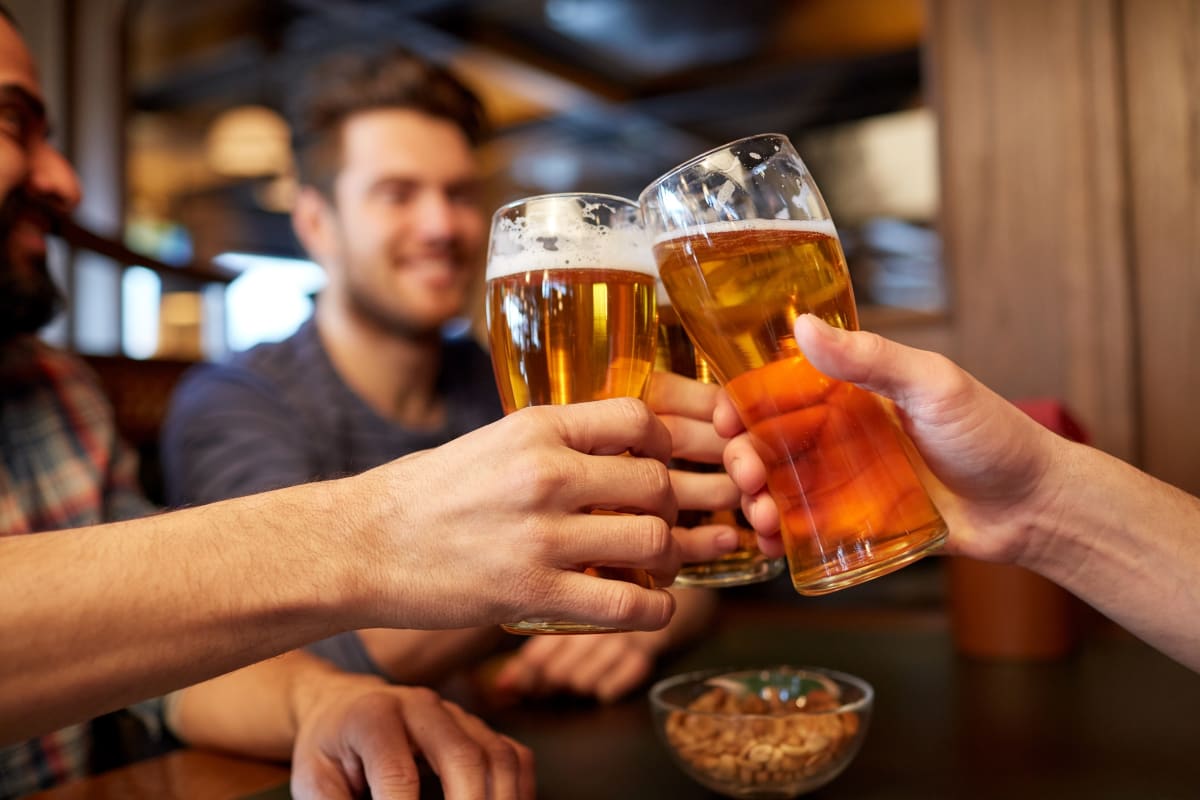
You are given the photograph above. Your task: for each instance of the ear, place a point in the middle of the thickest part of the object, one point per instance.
(312, 220)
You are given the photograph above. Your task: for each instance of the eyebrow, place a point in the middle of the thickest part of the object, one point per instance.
(12, 94)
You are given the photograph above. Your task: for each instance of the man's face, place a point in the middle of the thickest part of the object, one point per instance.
(408, 227)
(34, 178)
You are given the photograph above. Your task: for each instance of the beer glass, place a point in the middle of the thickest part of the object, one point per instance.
(571, 316)
(744, 246)
(746, 564)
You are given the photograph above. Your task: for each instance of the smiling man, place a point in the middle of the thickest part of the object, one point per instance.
(385, 145)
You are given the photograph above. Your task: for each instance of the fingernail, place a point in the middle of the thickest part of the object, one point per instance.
(727, 541)
(820, 327)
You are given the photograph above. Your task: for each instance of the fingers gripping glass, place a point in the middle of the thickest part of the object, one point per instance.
(571, 316)
(746, 564)
(745, 245)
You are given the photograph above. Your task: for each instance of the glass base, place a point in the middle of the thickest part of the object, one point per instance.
(823, 583)
(553, 627)
(737, 571)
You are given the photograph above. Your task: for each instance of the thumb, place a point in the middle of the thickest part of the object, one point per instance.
(914, 379)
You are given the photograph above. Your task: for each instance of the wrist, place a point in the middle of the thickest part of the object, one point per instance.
(317, 683)
(1045, 541)
(355, 511)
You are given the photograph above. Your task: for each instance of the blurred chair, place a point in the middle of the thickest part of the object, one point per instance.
(1009, 613)
(140, 392)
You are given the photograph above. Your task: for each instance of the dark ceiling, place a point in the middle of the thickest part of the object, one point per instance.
(615, 91)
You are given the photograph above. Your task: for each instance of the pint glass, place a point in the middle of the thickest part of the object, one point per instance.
(746, 564)
(744, 245)
(570, 315)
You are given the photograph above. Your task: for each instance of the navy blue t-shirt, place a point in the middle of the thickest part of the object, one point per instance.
(279, 415)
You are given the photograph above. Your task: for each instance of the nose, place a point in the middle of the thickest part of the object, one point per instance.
(436, 218)
(51, 178)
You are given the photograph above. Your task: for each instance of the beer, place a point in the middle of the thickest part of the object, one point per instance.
(746, 564)
(569, 335)
(571, 318)
(851, 504)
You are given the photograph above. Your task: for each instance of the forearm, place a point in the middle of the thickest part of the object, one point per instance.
(1126, 543)
(101, 617)
(255, 711)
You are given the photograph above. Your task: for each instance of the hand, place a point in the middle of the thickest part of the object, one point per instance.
(989, 457)
(496, 525)
(686, 407)
(604, 665)
(361, 734)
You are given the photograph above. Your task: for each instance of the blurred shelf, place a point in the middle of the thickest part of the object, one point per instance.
(876, 317)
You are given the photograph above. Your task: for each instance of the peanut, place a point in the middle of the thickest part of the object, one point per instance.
(778, 747)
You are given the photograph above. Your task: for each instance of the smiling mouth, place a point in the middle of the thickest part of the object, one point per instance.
(29, 222)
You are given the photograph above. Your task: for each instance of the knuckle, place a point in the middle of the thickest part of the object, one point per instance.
(623, 605)
(869, 344)
(502, 754)
(655, 478)
(538, 479)
(401, 780)
(524, 753)
(467, 755)
(635, 411)
(944, 387)
(657, 535)
(524, 426)
(421, 696)
(636, 417)
(954, 381)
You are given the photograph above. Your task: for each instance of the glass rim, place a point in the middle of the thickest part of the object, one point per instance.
(657, 691)
(562, 196)
(698, 158)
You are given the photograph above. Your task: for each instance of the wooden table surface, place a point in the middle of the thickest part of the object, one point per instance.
(179, 775)
(1115, 720)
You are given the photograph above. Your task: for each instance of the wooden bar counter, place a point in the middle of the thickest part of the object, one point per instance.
(1116, 719)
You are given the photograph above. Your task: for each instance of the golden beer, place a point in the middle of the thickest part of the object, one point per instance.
(567, 335)
(571, 317)
(851, 504)
(746, 564)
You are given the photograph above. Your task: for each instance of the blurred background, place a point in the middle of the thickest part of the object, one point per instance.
(1014, 181)
(598, 95)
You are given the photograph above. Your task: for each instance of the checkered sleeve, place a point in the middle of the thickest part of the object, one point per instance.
(123, 497)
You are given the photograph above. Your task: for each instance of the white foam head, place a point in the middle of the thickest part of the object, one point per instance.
(563, 237)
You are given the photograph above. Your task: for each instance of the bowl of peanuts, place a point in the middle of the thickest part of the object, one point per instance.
(776, 732)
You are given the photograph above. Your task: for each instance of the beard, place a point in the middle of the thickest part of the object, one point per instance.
(367, 307)
(29, 298)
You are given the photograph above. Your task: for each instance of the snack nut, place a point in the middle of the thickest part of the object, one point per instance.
(789, 741)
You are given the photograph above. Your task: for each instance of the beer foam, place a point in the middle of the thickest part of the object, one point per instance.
(824, 226)
(571, 244)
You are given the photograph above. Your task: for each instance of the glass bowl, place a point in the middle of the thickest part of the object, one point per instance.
(776, 732)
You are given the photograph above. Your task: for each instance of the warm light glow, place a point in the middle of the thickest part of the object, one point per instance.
(249, 141)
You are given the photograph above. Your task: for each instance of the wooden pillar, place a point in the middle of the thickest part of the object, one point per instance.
(1162, 55)
(1035, 202)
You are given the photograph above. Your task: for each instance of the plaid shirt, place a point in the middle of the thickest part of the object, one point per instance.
(61, 466)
